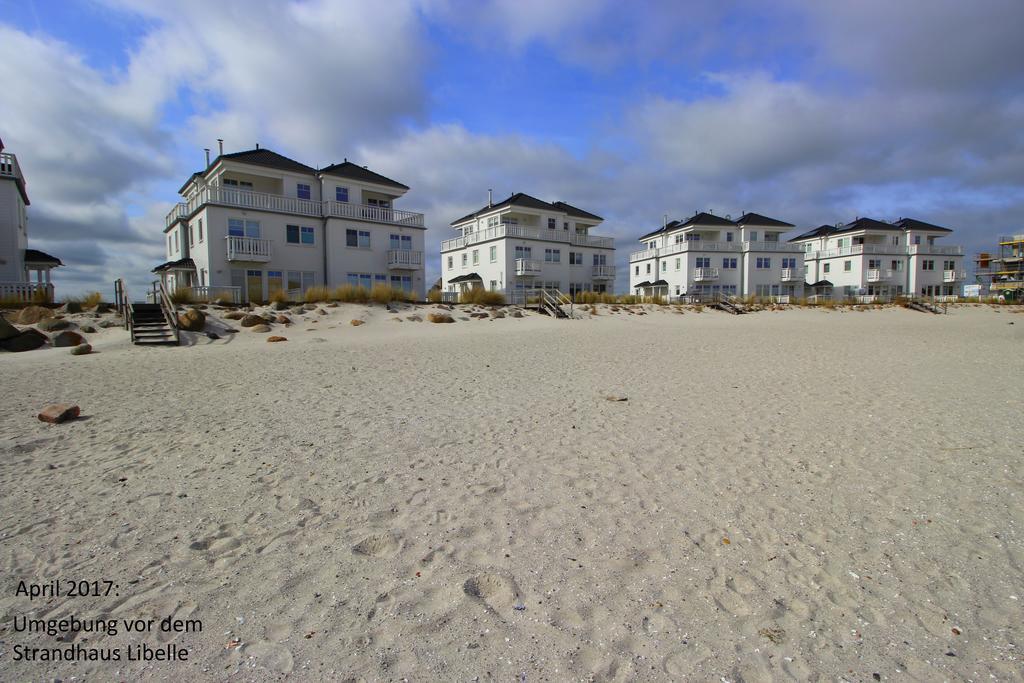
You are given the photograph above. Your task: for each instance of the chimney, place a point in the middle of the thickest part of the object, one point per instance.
(257, 145)
(220, 143)
(490, 199)
(664, 221)
(207, 150)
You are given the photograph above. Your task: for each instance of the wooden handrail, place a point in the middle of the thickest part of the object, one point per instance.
(167, 307)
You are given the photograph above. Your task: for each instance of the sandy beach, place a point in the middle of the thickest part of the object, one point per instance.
(791, 495)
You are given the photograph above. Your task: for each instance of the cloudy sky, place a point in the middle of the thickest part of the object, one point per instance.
(807, 110)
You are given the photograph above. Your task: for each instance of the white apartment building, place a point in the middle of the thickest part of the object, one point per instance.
(873, 260)
(708, 255)
(24, 272)
(255, 222)
(525, 243)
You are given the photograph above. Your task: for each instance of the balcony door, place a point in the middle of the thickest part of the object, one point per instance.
(254, 285)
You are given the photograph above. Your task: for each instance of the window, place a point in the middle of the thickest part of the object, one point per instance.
(170, 246)
(827, 267)
(874, 263)
(364, 280)
(465, 260)
(575, 258)
(292, 234)
(552, 224)
(191, 235)
(664, 266)
(764, 262)
(476, 257)
(771, 237)
(648, 268)
(402, 282)
(341, 194)
(494, 285)
(843, 242)
(692, 237)
(565, 225)
(897, 265)
(494, 254)
(728, 237)
(229, 182)
(401, 242)
(702, 262)
(492, 221)
(753, 236)
(200, 229)
(357, 238)
(380, 279)
(917, 239)
(241, 228)
(728, 262)
(949, 265)
(928, 265)
(895, 240)
(679, 263)
(275, 281)
(553, 255)
(600, 259)
(524, 252)
(176, 246)
(302, 191)
(451, 262)
(847, 266)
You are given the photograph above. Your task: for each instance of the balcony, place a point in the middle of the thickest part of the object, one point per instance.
(879, 275)
(248, 249)
(934, 249)
(9, 166)
(375, 214)
(954, 275)
(792, 275)
(603, 273)
(705, 274)
(772, 246)
(526, 267)
(684, 246)
(530, 233)
(405, 259)
(264, 201)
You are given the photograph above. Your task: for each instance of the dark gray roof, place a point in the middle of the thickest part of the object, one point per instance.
(36, 256)
(757, 219)
(347, 169)
(645, 283)
(268, 158)
(571, 210)
(466, 278)
(822, 283)
(853, 226)
(819, 231)
(701, 218)
(180, 264)
(913, 224)
(659, 283)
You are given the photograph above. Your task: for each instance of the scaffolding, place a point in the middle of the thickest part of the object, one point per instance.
(1003, 271)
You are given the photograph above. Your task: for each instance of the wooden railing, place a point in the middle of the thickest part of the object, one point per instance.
(26, 291)
(123, 304)
(167, 307)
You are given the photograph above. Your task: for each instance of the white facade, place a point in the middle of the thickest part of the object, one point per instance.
(709, 255)
(255, 222)
(23, 271)
(880, 261)
(524, 243)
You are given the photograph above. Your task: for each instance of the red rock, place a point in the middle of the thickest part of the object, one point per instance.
(59, 412)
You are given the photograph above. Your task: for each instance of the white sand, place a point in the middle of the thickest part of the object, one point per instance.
(785, 495)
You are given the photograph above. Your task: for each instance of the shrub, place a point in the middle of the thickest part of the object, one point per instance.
(382, 294)
(351, 294)
(440, 318)
(278, 296)
(482, 297)
(92, 299)
(317, 294)
(657, 299)
(627, 299)
(434, 296)
(12, 301)
(181, 295)
(41, 296)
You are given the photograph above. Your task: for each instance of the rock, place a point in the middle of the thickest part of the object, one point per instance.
(497, 314)
(192, 320)
(30, 315)
(414, 318)
(321, 311)
(81, 350)
(356, 323)
(517, 314)
(212, 335)
(88, 329)
(440, 318)
(25, 341)
(275, 338)
(616, 398)
(298, 310)
(71, 307)
(59, 412)
(107, 324)
(279, 305)
(309, 307)
(103, 308)
(7, 330)
(333, 304)
(67, 338)
(234, 315)
(260, 328)
(478, 315)
(53, 324)
(396, 319)
(283, 320)
(252, 319)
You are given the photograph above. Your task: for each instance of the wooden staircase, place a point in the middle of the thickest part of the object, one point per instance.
(724, 303)
(924, 307)
(150, 324)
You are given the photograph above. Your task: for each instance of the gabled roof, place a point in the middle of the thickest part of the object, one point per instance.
(659, 283)
(645, 283)
(703, 219)
(471, 277)
(821, 283)
(36, 256)
(853, 226)
(819, 231)
(347, 169)
(526, 201)
(180, 264)
(757, 219)
(268, 158)
(913, 224)
(571, 210)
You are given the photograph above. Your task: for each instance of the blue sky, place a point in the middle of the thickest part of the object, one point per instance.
(809, 111)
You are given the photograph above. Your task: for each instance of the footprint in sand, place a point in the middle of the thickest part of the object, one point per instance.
(495, 591)
(377, 545)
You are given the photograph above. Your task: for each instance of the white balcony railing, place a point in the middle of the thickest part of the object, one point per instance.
(942, 250)
(685, 246)
(265, 201)
(527, 232)
(953, 275)
(771, 246)
(247, 249)
(405, 258)
(792, 275)
(705, 274)
(879, 275)
(603, 273)
(26, 291)
(9, 166)
(643, 255)
(527, 266)
(210, 293)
